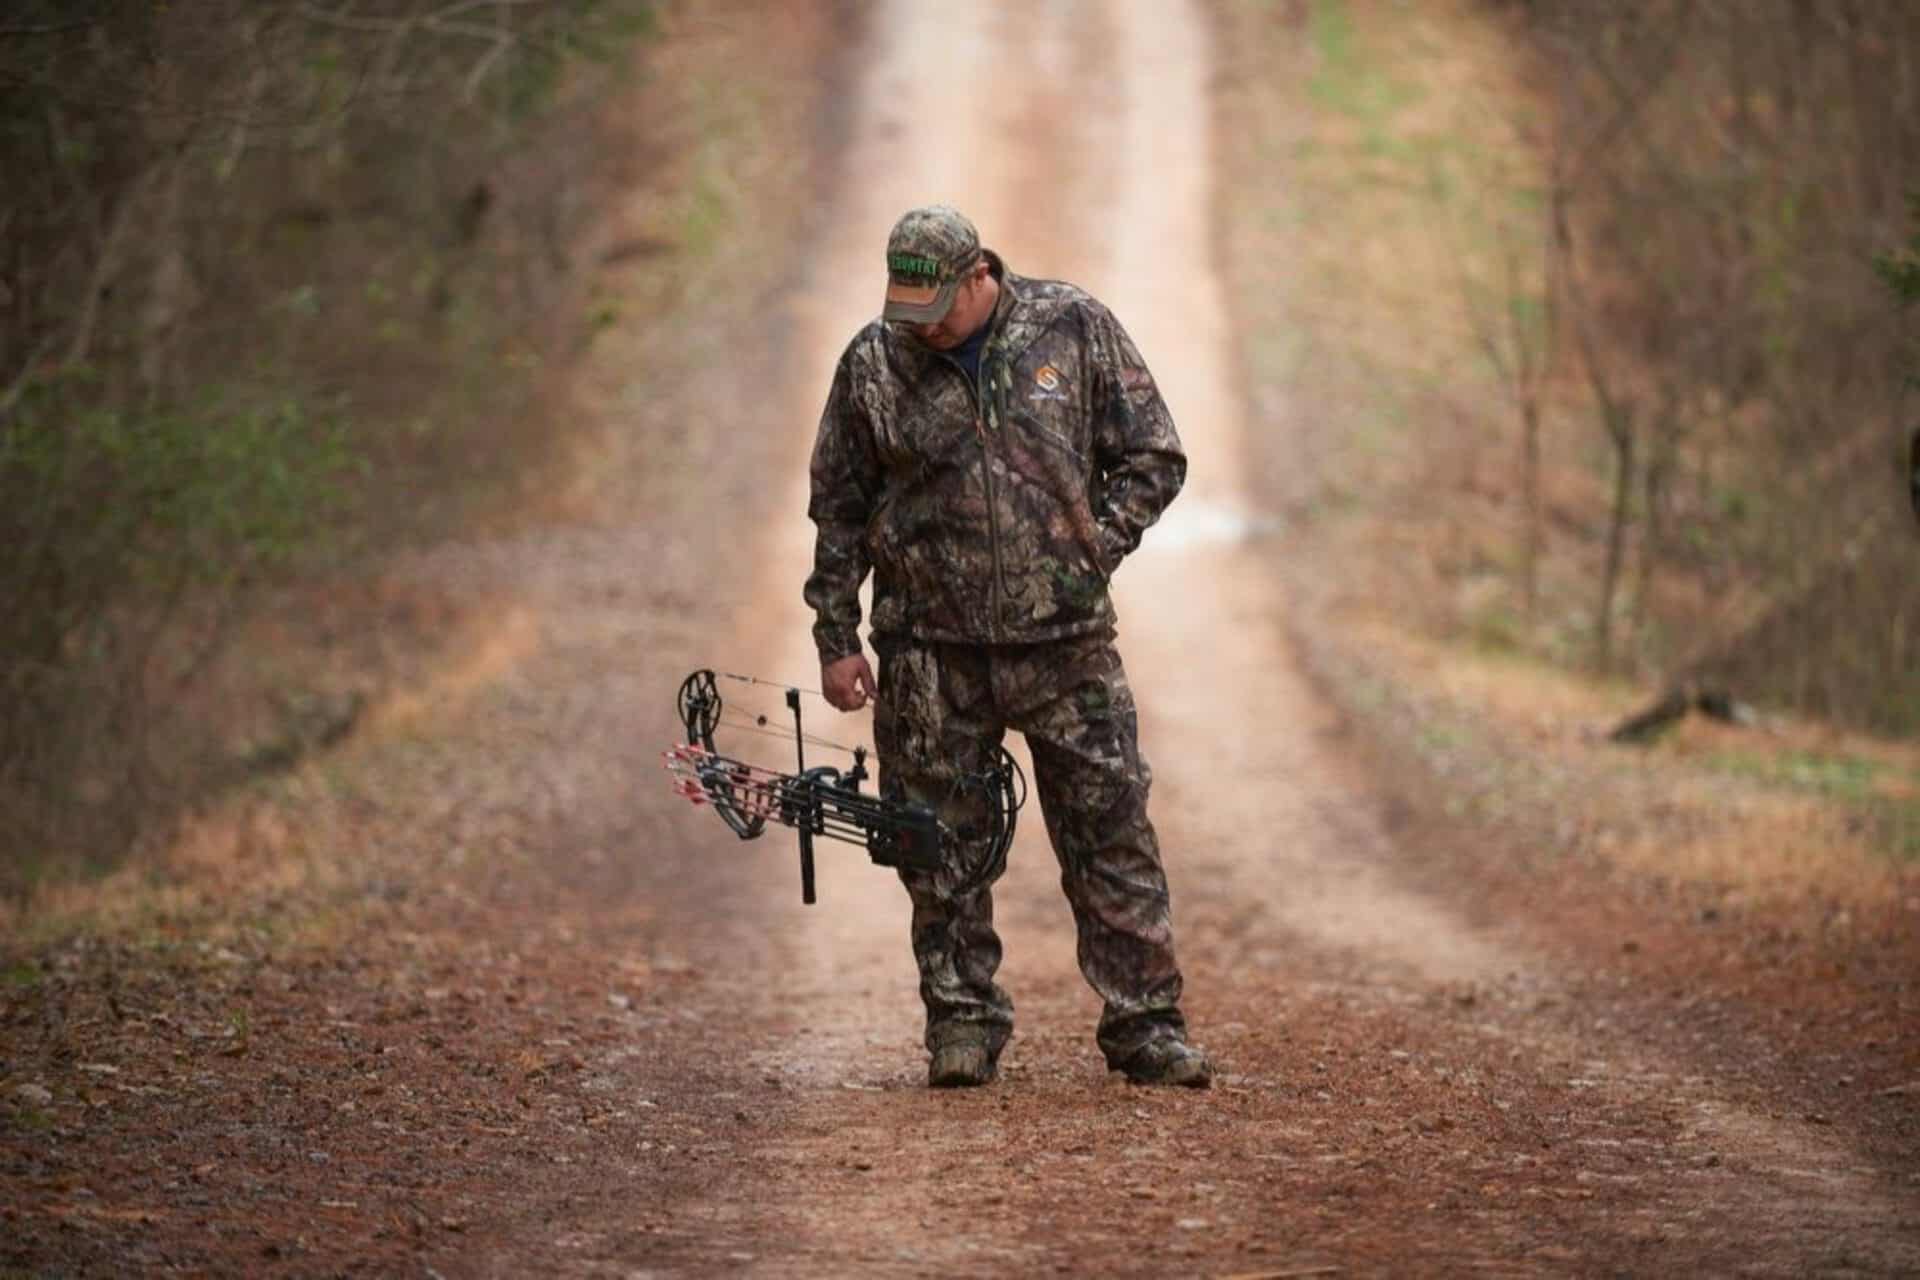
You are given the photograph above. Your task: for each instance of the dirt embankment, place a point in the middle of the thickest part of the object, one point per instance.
(491, 1001)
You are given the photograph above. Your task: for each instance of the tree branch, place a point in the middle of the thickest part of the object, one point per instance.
(49, 29)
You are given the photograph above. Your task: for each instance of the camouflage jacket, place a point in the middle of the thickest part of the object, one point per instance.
(992, 511)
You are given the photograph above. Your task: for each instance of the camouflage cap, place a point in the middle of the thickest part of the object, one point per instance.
(927, 256)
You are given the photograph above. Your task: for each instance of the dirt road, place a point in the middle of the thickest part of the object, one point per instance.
(1390, 1100)
(590, 1034)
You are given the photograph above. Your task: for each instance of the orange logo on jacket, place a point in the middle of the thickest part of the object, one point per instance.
(1049, 384)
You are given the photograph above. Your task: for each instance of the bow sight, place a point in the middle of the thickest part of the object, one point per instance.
(824, 801)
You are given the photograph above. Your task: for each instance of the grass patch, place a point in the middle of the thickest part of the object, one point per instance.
(1883, 797)
(1402, 188)
(1349, 80)
(29, 1119)
(1843, 777)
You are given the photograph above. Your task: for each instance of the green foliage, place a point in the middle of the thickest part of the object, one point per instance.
(1901, 269)
(591, 30)
(1497, 629)
(1901, 272)
(31, 1119)
(207, 493)
(1351, 80)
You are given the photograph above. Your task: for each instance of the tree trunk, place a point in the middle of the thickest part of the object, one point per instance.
(1620, 431)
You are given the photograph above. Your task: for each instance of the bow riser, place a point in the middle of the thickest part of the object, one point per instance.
(819, 802)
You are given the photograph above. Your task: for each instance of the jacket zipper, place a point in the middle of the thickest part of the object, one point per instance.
(986, 472)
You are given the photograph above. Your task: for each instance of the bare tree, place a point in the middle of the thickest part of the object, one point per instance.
(1724, 175)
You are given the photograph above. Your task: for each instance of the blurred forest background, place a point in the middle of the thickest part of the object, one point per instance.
(1727, 189)
(277, 286)
(1610, 303)
(281, 287)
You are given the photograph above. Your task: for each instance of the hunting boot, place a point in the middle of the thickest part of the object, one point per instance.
(960, 1065)
(1169, 1061)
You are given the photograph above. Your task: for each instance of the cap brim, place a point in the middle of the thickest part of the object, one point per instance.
(919, 304)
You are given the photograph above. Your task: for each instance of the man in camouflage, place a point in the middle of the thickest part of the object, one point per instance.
(992, 448)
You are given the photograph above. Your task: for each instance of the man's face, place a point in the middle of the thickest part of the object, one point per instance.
(971, 304)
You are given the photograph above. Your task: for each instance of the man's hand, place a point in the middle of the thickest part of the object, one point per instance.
(848, 682)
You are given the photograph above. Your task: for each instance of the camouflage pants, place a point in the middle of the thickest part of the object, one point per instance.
(942, 709)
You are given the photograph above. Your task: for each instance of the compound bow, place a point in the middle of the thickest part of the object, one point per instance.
(824, 801)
